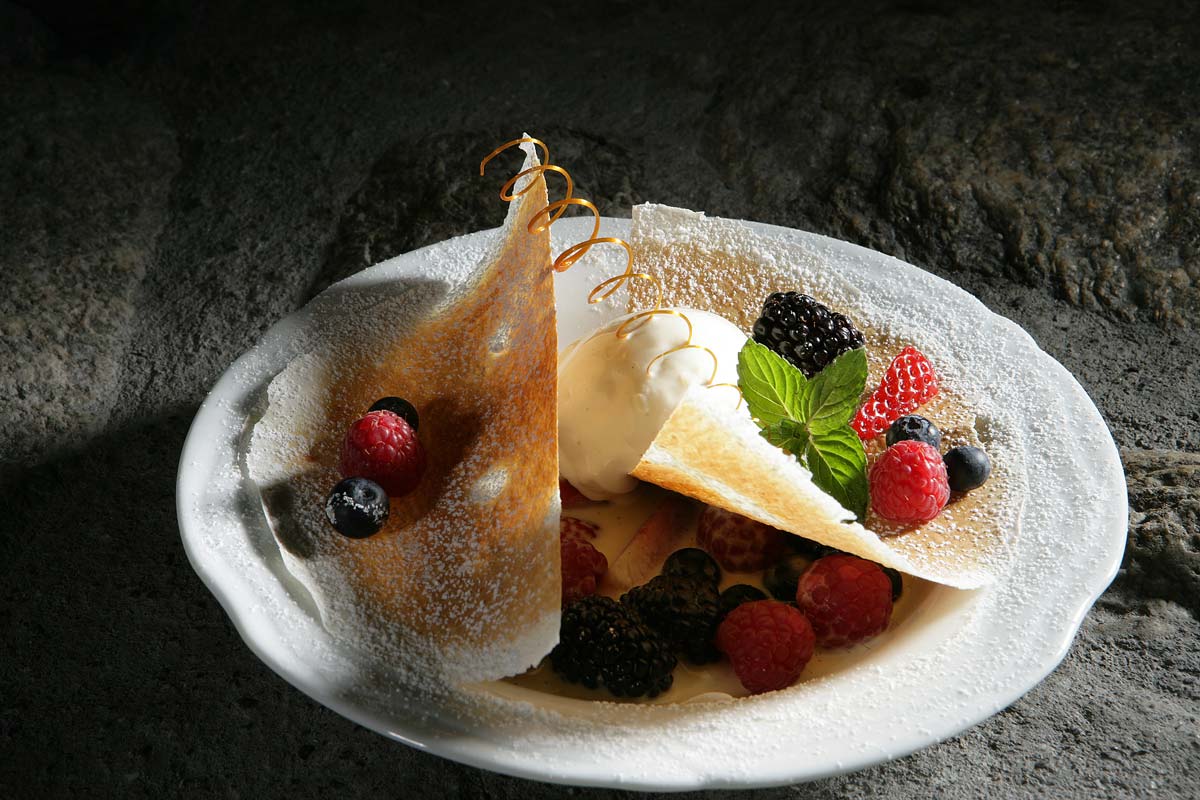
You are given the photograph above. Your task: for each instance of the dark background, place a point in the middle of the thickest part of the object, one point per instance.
(175, 177)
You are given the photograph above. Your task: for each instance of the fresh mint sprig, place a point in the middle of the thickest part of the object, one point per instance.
(810, 418)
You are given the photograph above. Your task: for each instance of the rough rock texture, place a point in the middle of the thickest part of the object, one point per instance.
(86, 167)
(1024, 150)
(1163, 560)
(174, 177)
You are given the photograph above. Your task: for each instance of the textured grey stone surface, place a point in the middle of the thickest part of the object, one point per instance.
(176, 177)
(86, 168)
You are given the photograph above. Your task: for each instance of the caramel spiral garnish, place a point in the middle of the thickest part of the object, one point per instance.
(553, 211)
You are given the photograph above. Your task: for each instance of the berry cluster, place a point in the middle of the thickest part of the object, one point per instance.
(911, 482)
(846, 599)
(768, 643)
(683, 609)
(381, 458)
(815, 596)
(819, 597)
(631, 647)
(836, 601)
(908, 483)
(682, 604)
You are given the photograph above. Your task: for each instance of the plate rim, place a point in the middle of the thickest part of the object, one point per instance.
(476, 751)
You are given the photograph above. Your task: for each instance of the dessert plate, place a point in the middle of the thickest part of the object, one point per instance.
(957, 659)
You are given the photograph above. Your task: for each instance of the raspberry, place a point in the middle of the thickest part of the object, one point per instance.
(577, 528)
(910, 381)
(739, 544)
(768, 643)
(382, 447)
(804, 331)
(846, 598)
(909, 483)
(603, 643)
(582, 564)
(570, 496)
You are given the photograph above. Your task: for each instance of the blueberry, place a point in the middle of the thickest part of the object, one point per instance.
(897, 582)
(357, 508)
(916, 428)
(808, 548)
(400, 407)
(692, 562)
(740, 593)
(967, 468)
(782, 578)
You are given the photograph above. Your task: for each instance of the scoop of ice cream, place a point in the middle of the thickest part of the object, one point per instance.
(612, 400)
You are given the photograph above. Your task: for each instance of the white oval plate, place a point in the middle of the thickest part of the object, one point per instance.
(960, 657)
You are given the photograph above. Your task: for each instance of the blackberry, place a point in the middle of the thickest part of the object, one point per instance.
(804, 331)
(967, 468)
(692, 562)
(357, 508)
(685, 612)
(400, 407)
(740, 593)
(603, 643)
(917, 428)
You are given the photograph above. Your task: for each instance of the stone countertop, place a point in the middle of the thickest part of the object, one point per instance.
(175, 177)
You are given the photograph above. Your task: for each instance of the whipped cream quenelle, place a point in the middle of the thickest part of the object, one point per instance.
(610, 406)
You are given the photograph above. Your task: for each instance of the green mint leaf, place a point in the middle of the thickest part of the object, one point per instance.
(772, 388)
(787, 434)
(810, 418)
(838, 464)
(834, 392)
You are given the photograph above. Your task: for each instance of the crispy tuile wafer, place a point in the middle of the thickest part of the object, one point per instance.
(462, 584)
(719, 458)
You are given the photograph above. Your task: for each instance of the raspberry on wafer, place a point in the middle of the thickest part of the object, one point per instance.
(909, 382)
(909, 483)
(382, 447)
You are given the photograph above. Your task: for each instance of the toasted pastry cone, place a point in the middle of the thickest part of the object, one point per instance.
(462, 584)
